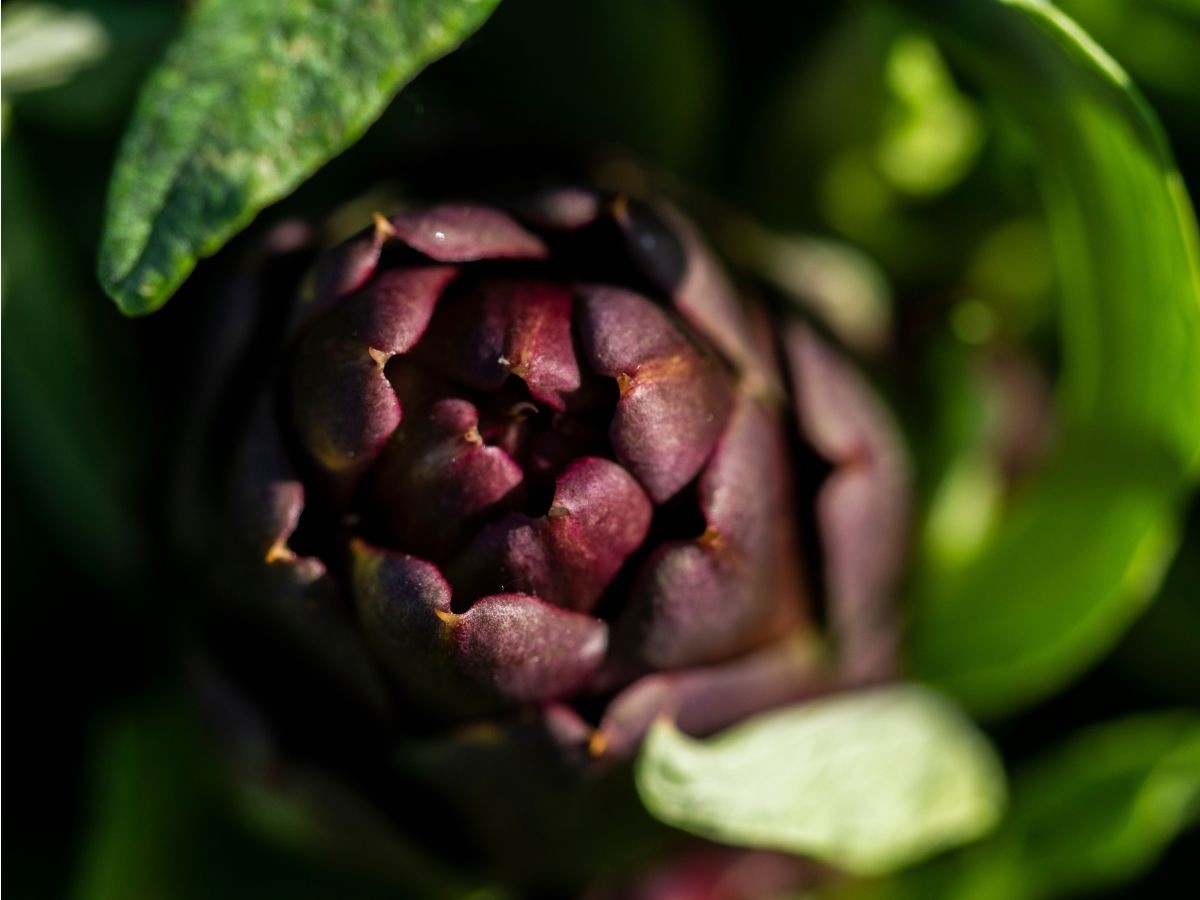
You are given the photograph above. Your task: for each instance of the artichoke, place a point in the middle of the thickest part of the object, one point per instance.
(536, 466)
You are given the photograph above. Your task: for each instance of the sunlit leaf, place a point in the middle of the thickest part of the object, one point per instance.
(251, 99)
(868, 781)
(1077, 558)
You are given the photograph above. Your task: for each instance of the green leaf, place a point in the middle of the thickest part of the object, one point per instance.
(1103, 807)
(868, 781)
(1083, 549)
(252, 98)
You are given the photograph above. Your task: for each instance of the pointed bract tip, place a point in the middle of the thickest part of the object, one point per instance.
(383, 228)
(620, 208)
(451, 619)
(597, 744)
(279, 552)
(712, 539)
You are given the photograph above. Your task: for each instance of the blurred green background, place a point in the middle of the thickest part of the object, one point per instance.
(832, 149)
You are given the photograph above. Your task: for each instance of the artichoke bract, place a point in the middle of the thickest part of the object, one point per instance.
(537, 462)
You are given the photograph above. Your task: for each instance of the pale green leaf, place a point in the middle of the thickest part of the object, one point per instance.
(43, 45)
(868, 781)
(252, 98)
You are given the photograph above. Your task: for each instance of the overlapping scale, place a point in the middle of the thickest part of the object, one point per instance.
(674, 400)
(736, 585)
(863, 506)
(507, 327)
(511, 648)
(597, 518)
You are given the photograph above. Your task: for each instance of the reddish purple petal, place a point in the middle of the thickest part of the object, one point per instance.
(437, 478)
(738, 584)
(704, 700)
(863, 506)
(525, 650)
(391, 312)
(465, 232)
(505, 327)
(674, 401)
(597, 518)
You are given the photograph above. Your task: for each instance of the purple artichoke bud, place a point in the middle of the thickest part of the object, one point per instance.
(538, 465)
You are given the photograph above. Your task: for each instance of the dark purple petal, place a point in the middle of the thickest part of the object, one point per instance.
(560, 209)
(306, 605)
(597, 518)
(465, 232)
(674, 401)
(404, 608)
(500, 328)
(703, 700)
(294, 594)
(738, 584)
(510, 647)
(525, 650)
(863, 507)
(437, 478)
(341, 403)
(667, 248)
(267, 497)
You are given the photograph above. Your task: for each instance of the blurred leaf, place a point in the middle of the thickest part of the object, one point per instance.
(835, 282)
(252, 98)
(932, 132)
(868, 781)
(645, 76)
(1083, 549)
(43, 45)
(162, 827)
(62, 394)
(1103, 807)
(1094, 812)
(1155, 39)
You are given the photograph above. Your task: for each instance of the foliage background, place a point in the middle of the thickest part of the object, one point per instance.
(834, 125)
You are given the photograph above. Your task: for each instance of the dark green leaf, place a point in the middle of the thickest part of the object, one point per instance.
(69, 442)
(163, 825)
(1082, 551)
(868, 781)
(252, 98)
(1102, 808)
